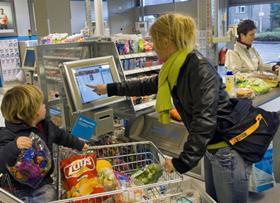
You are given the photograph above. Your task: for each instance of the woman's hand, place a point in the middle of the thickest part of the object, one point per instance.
(98, 89)
(24, 142)
(276, 68)
(168, 166)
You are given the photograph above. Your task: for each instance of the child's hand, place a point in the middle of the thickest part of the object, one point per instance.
(23, 142)
(85, 148)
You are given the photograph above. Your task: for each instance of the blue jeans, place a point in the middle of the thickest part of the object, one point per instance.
(226, 176)
(46, 193)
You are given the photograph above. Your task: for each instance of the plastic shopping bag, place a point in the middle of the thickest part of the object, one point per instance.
(262, 177)
(32, 164)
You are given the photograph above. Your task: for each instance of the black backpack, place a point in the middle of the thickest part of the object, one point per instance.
(249, 130)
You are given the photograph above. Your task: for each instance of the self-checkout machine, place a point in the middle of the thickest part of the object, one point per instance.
(141, 121)
(169, 138)
(92, 111)
(29, 66)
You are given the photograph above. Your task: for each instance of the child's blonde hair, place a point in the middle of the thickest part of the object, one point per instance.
(21, 103)
(180, 29)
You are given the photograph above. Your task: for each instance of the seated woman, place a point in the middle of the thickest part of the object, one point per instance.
(244, 57)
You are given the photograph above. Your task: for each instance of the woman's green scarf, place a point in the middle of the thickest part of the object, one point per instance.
(167, 79)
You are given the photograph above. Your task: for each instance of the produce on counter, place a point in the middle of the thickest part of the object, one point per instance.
(244, 93)
(150, 174)
(256, 84)
(270, 78)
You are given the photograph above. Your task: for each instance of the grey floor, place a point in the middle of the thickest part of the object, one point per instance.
(269, 196)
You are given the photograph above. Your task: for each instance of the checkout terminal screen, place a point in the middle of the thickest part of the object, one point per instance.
(29, 60)
(99, 74)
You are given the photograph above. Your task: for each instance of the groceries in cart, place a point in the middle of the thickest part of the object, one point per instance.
(80, 176)
(106, 175)
(84, 175)
(32, 164)
(150, 174)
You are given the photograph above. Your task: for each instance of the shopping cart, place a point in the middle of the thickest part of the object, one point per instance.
(128, 158)
(5, 196)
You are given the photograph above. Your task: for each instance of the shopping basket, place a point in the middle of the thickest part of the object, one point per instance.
(128, 158)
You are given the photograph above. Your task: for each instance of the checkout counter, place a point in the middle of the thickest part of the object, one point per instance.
(171, 138)
(271, 102)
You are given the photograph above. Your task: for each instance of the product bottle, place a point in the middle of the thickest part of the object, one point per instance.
(230, 83)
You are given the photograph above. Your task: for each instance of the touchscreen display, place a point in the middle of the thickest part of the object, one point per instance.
(29, 58)
(99, 74)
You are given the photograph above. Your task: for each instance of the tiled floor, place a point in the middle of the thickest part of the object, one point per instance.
(269, 196)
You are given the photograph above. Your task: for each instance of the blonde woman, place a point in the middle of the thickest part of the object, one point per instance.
(197, 91)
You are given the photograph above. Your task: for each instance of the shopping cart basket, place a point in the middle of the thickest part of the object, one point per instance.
(128, 158)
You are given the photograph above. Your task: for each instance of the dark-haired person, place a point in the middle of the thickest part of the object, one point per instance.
(244, 57)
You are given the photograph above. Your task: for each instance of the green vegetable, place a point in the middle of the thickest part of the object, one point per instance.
(257, 85)
(150, 174)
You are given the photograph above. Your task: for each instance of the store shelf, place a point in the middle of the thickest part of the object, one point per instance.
(142, 70)
(28, 68)
(138, 55)
(51, 68)
(54, 79)
(54, 102)
(138, 107)
(62, 58)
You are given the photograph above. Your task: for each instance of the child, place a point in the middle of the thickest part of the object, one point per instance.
(24, 112)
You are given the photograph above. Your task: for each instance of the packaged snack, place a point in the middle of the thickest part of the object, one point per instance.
(126, 47)
(32, 164)
(120, 46)
(140, 45)
(80, 176)
(148, 46)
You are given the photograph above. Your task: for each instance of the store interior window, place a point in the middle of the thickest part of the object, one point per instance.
(155, 2)
(150, 19)
(241, 9)
(181, 0)
(78, 15)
